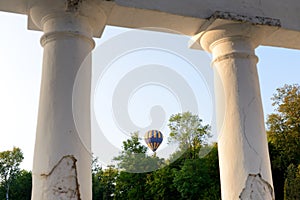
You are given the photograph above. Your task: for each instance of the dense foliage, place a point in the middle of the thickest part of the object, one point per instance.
(284, 141)
(190, 176)
(14, 182)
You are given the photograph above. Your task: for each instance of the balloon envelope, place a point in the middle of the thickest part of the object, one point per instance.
(153, 139)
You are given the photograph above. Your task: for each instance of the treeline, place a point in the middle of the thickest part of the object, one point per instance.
(188, 177)
(187, 174)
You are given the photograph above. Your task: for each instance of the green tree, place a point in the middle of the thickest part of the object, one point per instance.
(136, 167)
(9, 167)
(284, 134)
(188, 176)
(185, 176)
(97, 188)
(199, 178)
(188, 131)
(131, 186)
(21, 186)
(133, 157)
(292, 183)
(104, 183)
(160, 184)
(109, 178)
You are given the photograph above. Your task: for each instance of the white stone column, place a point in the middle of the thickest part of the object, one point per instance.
(243, 151)
(62, 158)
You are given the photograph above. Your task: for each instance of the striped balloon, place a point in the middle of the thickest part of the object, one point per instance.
(153, 139)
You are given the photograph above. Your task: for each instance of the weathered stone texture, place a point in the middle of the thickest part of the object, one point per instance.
(257, 188)
(62, 180)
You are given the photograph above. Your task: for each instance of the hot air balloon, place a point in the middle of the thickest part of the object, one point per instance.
(153, 139)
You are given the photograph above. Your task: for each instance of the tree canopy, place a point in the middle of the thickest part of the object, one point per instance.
(284, 137)
(141, 176)
(9, 167)
(188, 131)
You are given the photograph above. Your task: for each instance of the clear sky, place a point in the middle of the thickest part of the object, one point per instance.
(20, 76)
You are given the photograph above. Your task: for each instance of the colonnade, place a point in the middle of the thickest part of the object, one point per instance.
(62, 163)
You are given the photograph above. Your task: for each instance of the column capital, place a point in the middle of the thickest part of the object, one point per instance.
(231, 32)
(87, 13)
(225, 39)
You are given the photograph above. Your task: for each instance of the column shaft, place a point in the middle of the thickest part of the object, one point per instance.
(243, 152)
(62, 158)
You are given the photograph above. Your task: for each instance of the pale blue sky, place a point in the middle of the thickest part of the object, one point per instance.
(20, 76)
